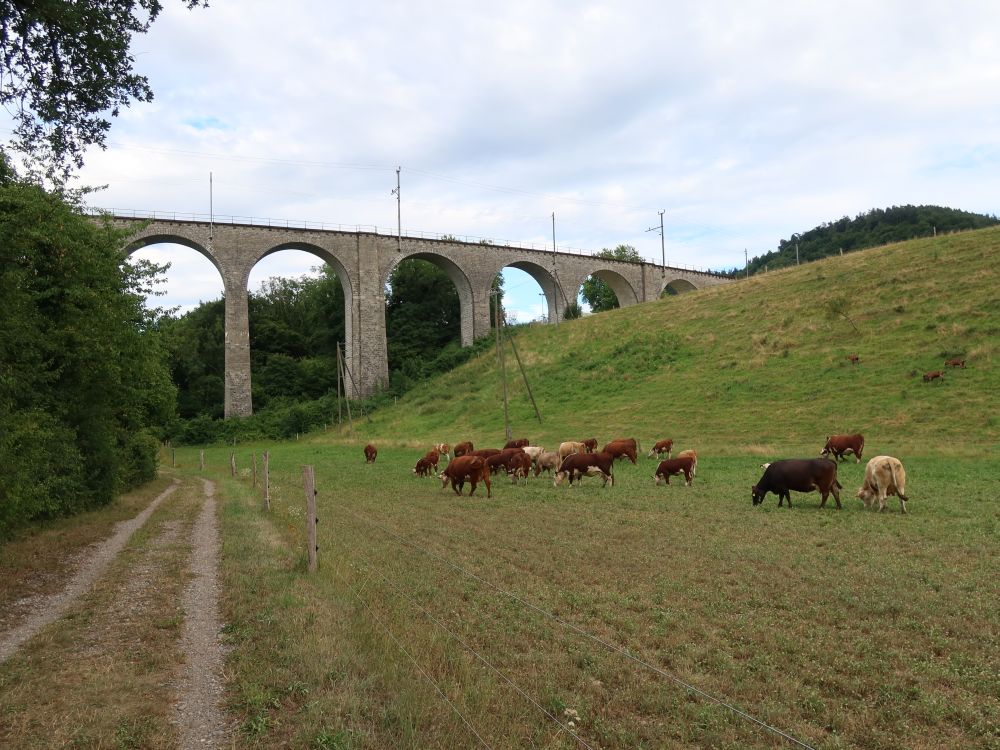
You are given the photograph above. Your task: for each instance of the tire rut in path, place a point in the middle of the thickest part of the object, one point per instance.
(198, 715)
(51, 608)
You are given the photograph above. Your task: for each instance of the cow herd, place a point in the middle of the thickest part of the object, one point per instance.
(884, 475)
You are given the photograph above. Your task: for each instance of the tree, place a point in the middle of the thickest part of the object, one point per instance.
(596, 292)
(66, 69)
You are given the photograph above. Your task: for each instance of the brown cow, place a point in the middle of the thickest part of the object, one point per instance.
(485, 452)
(370, 453)
(854, 359)
(624, 447)
(661, 447)
(884, 476)
(463, 449)
(933, 375)
(694, 455)
(519, 443)
(956, 362)
(444, 449)
(461, 468)
(838, 445)
(499, 461)
(576, 465)
(590, 444)
(424, 468)
(433, 457)
(518, 465)
(671, 466)
(548, 461)
(801, 475)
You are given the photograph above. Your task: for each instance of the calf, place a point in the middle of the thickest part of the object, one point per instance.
(934, 375)
(424, 468)
(518, 465)
(884, 476)
(839, 445)
(625, 447)
(590, 444)
(433, 457)
(671, 466)
(801, 475)
(661, 447)
(461, 468)
(519, 443)
(569, 448)
(548, 461)
(576, 465)
(444, 449)
(956, 362)
(370, 453)
(463, 449)
(500, 461)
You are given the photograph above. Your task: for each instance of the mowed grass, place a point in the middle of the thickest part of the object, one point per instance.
(437, 621)
(843, 629)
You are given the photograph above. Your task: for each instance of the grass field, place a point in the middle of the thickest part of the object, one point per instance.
(443, 622)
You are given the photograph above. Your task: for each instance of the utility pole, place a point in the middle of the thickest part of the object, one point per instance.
(746, 260)
(399, 214)
(663, 245)
(553, 231)
(796, 253)
(211, 212)
(498, 317)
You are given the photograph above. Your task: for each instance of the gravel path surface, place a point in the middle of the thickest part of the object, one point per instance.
(198, 714)
(49, 608)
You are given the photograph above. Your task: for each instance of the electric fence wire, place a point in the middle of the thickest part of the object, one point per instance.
(416, 664)
(609, 646)
(399, 590)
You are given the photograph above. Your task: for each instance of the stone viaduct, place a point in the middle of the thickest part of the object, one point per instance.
(363, 262)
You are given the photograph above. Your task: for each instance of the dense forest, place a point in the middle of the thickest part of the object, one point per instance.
(879, 226)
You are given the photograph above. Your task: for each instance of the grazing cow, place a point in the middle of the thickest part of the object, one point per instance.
(548, 461)
(801, 475)
(370, 453)
(854, 359)
(463, 449)
(624, 447)
(444, 449)
(518, 465)
(485, 452)
(519, 443)
(694, 455)
(533, 451)
(569, 447)
(461, 468)
(956, 362)
(884, 476)
(590, 444)
(500, 460)
(433, 457)
(838, 445)
(661, 447)
(424, 468)
(576, 465)
(933, 375)
(765, 465)
(671, 466)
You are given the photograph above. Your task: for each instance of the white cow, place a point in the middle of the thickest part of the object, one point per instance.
(884, 476)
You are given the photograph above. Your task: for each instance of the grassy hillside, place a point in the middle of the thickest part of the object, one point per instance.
(759, 363)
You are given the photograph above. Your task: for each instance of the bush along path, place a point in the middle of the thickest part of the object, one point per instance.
(129, 653)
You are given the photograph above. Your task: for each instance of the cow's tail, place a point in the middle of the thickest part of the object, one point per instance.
(839, 485)
(862, 449)
(638, 445)
(892, 471)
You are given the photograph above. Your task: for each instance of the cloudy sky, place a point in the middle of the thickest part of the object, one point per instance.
(744, 121)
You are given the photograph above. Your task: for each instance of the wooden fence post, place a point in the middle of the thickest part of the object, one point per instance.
(309, 478)
(173, 456)
(232, 463)
(201, 460)
(255, 468)
(267, 481)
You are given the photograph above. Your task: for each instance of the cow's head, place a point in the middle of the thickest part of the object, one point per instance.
(865, 495)
(444, 479)
(559, 477)
(757, 494)
(657, 478)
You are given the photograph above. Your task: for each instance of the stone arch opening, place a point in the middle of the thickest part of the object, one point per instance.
(611, 290)
(301, 306)
(462, 285)
(188, 278)
(677, 286)
(518, 288)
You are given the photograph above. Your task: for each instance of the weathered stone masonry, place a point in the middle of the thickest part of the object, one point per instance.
(363, 262)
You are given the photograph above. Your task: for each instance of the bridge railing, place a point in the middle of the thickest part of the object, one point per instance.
(322, 226)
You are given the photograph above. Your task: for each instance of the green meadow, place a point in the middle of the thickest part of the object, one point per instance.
(651, 616)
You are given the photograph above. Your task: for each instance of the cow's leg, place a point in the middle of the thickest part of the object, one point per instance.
(472, 487)
(836, 495)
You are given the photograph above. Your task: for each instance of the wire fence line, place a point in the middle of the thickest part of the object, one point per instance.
(523, 693)
(624, 652)
(321, 226)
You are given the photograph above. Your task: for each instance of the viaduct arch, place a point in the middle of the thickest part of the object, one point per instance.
(363, 262)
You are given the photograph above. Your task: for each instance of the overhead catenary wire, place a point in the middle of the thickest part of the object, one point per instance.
(580, 631)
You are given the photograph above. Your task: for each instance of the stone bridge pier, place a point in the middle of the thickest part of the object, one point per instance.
(363, 261)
